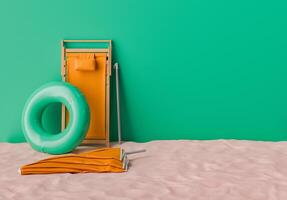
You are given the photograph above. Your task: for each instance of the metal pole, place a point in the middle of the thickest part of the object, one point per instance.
(137, 151)
(116, 67)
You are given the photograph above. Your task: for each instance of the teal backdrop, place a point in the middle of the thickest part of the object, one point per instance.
(190, 69)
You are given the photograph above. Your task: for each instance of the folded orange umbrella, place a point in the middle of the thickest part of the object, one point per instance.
(100, 160)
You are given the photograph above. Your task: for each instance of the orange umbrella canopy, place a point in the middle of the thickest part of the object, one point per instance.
(96, 161)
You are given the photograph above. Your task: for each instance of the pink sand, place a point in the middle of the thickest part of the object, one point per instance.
(197, 170)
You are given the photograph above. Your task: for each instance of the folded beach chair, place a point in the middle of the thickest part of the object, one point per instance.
(86, 64)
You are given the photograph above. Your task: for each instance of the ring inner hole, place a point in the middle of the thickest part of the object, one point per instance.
(51, 119)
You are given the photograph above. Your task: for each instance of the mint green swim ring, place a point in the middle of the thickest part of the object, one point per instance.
(79, 118)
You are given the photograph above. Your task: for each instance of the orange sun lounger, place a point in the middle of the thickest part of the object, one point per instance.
(89, 69)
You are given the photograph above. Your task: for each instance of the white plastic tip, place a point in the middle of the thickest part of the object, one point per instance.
(116, 66)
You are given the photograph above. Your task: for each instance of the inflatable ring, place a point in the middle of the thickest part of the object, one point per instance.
(79, 118)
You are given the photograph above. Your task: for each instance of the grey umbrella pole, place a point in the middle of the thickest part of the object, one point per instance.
(116, 67)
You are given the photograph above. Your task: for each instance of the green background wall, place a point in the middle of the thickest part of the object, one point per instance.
(193, 69)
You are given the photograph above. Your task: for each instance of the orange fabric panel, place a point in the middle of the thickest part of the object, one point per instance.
(91, 81)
